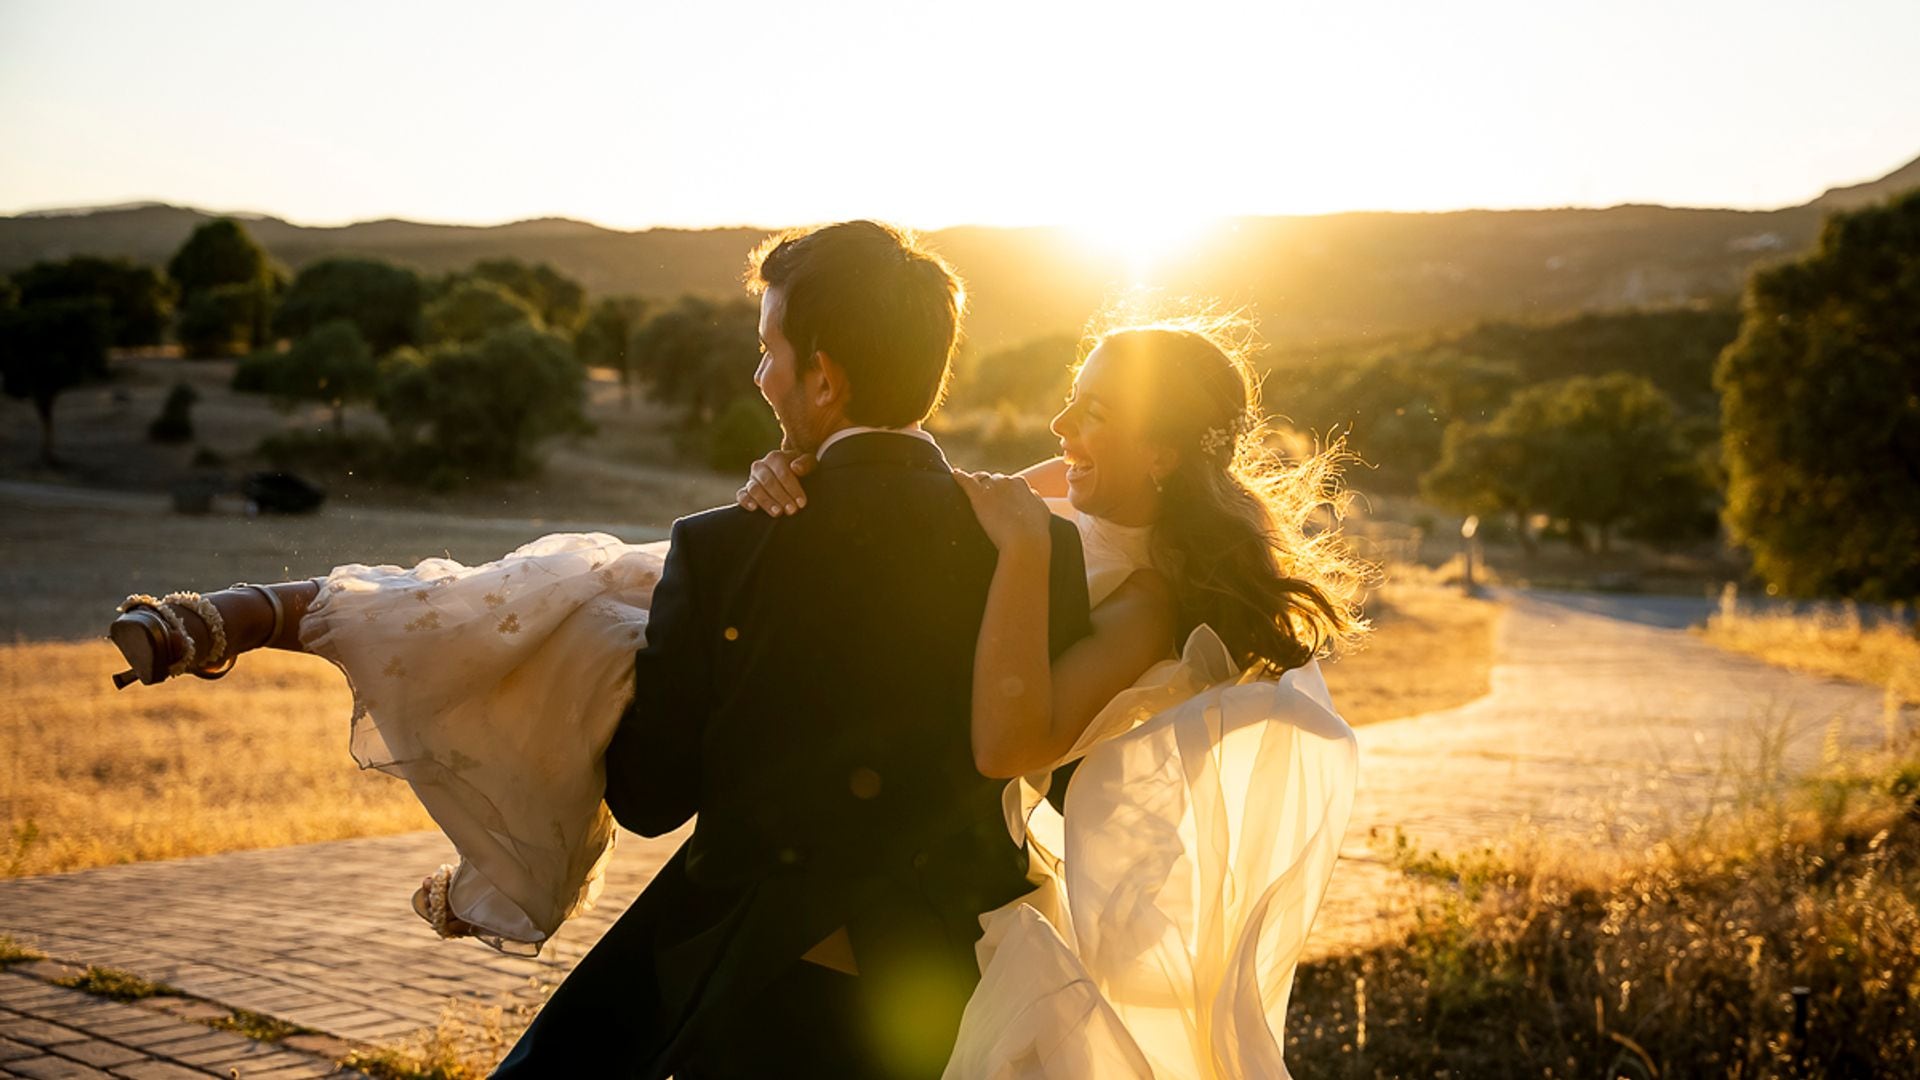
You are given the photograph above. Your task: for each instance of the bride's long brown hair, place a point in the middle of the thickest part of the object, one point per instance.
(1248, 540)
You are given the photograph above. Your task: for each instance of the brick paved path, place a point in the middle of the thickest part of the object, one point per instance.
(320, 935)
(1605, 725)
(50, 1031)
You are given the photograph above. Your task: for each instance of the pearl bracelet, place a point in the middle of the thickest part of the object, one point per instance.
(209, 614)
(439, 913)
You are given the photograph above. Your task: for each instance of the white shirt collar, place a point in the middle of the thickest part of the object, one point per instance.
(911, 430)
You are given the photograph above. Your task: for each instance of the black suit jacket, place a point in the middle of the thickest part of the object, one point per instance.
(805, 695)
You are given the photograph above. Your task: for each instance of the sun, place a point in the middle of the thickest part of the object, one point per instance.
(1141, 245)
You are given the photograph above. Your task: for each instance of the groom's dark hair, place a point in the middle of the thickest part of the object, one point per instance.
(877, 301)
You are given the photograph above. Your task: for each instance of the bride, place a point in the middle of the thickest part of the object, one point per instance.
(1212, 789)
(1202, 819)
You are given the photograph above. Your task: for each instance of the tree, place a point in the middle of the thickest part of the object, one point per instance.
(1484, 470)
(333, 365)
(482, 407)
(560, 300)
(139, 300)
(699, 355)
(220, 321)
(745, 432)
(48, 348)
(221, 254)
(1616, 454)
(1820, 412)
(605, 338)
(472, 310)
(1593, 451)
(383, 300)
(1032, 377)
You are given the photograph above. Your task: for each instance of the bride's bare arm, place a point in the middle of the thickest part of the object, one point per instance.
(1027, 712)
(1048, 478)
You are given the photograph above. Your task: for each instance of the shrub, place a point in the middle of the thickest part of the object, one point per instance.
(1783, 944)
(175, 422)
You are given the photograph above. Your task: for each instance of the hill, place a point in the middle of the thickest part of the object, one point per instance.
(1905, 178)
(1312, 279)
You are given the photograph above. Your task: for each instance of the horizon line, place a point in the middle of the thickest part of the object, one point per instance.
(130, 205)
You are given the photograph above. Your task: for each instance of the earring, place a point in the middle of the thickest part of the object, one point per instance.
(1158, 487)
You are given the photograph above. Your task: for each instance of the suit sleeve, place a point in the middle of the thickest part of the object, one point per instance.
(1067, 617)
(653, 762)
(1068, 620)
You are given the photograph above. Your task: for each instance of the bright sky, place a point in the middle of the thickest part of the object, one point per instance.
(683, 112)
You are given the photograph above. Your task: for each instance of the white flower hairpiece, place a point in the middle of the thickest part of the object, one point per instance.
(1215, 440)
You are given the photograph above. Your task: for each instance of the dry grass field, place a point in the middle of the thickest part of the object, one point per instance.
(1835, 643)
(1780, 939)
(1431, 649)
(258, 759)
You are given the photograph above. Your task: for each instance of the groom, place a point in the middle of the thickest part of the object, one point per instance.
(804, 696)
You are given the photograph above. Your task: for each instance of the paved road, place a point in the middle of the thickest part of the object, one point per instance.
(1605, 725)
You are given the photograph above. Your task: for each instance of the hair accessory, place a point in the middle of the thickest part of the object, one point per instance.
(1215, 440)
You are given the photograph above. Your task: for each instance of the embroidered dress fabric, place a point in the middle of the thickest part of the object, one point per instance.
(493, 691)
(1176, 894)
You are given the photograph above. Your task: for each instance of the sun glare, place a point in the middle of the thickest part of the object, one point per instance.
(1140, 246)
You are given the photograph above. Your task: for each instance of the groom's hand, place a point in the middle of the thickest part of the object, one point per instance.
(773, 484)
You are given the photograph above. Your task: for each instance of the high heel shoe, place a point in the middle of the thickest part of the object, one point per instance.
(157, 646)
(147, 643)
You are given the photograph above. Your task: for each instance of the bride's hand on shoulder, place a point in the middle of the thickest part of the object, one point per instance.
(1012, 515)
(773, 484)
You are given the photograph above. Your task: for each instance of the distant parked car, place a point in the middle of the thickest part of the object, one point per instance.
(280, 493)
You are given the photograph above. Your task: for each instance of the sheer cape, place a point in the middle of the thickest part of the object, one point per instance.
(493, 691)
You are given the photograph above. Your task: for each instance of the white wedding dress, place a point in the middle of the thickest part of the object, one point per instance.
(1176, 894)
(493, 690)
(1173, 899)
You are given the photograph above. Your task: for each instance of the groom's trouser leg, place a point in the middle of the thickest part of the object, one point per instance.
(808, 1023)
(604, 1019)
